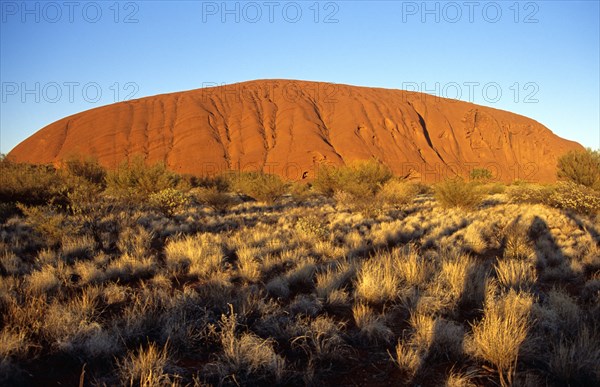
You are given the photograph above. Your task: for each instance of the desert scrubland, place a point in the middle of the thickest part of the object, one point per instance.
(138, 276)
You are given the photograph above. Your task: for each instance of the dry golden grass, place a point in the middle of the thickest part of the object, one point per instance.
(372, 326)
(322, 290)
(458, 379)
(515, 274)
(198, 255)
(408, 359)
(498, 337)
(575, 360)
(146, 367)
(457, 193)
(12, 343)
(245, 357)
(397, 192)
(377, 279)
(43, 281)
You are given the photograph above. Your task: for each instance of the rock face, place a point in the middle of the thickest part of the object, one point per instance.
(292, 127)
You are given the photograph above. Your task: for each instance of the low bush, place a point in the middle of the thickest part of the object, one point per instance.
(134, 180)
(168, 200)
(213, 197)
(219, 182)
(245, 357)
(492, 188)
(527, 193)
(29, 184)
(87, 169)
(48, 222)
(564, 195)
(481, 174)
(361, 179)
(300, 191)
(258, 185)
(574, 197)
(457, 193)
(397, 192)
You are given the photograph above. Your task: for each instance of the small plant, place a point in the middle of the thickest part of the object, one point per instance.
(516, 242)
(146, 367)
(457, 193)
(334, 279)
(245, 357)
(135, 181)
(575, 361)
(378, 280)
(498, 337)
(515, 274)
(527, 193)
(300, 191)
(43, 281)
(86, 169)
(575, 197)
(48, 222)
(312, 226)
(481, 174)
(168, 201)
(361, 179)
(408, 358)
(258, 185)
(457, 379)
(372, 326)
(397, 192)
(29, 184)
(322, 340)
(213, 197)
(199, 255)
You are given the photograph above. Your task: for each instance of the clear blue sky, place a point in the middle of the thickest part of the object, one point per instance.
(60, 58)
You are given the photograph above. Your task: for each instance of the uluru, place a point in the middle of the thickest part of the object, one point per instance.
(290, 128)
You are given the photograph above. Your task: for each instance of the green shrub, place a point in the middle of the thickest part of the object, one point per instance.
(83, 181)
(258, 185)
(327, 180)
(168, 200)
(581, 167)
(213, 197)
(314, 226)
(574, 197)
(527, 193)
(300, 191)
(29, 184)
(219, 182)
(422, 188)
(481, 174)
(564, 195)
(87, 169)
(365, 176)
(494, 188)
(398, 192)
(457, 193)
(360, 179)
(48, 222)
(135, 180)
